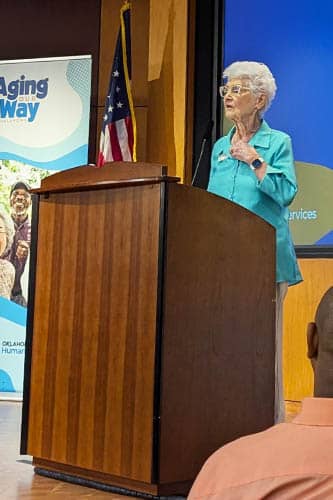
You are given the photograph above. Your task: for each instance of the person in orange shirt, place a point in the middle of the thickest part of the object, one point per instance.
(289, 461)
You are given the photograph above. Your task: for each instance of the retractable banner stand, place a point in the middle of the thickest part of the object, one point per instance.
(44, 128)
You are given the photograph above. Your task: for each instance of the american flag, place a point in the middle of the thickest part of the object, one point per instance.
(118, 135)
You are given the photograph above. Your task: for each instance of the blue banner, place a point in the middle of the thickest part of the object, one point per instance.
(44, 128)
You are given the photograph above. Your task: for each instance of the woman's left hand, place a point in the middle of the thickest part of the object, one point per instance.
(244, 152)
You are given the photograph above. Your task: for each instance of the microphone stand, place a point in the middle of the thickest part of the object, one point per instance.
(207, 135)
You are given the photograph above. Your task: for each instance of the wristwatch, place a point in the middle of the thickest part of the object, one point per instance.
(257, 163)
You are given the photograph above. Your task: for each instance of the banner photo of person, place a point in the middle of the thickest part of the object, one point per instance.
(44, 128)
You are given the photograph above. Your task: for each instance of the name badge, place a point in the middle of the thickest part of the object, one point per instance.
(222, 157)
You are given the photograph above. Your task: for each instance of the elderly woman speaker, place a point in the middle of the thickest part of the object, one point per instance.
(253, 166)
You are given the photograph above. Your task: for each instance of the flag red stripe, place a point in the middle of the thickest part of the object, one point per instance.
(100, 159)
(116, 151)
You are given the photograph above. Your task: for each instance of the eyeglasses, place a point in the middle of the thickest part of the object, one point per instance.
(25, 195)
(234, 89)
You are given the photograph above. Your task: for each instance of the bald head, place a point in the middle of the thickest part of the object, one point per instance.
(320, 346)
(324, 321)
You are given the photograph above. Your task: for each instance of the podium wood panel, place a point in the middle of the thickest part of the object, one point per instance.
(219, 324)
(153, 306)
(94, 335)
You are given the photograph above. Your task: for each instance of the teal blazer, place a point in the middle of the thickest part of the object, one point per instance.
(268, 198)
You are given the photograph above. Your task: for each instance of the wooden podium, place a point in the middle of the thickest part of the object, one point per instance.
(150, 339)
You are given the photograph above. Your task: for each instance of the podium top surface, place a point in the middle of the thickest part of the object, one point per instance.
(111, 175)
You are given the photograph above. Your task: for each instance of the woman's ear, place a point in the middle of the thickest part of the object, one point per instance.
(261, 101)
(312, 340)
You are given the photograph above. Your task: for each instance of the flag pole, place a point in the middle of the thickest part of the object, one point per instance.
(127, 5)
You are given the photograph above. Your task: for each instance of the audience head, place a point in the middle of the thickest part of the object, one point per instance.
(320, 346)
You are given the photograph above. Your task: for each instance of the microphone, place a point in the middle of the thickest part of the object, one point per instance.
(205, 138)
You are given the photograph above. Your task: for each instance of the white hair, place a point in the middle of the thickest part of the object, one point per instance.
(9, 228)
(259, 78)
